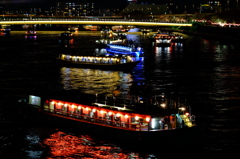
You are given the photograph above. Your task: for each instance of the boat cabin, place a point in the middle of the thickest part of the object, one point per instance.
(160, 118)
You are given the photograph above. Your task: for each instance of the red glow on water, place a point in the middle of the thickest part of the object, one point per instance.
(64, 145)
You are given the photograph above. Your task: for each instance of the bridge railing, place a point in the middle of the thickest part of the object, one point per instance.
(88, 19)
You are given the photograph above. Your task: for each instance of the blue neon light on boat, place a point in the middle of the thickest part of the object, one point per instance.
(121, 49)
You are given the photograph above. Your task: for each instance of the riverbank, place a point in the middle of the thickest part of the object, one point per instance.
(216, 33)
(211, 32)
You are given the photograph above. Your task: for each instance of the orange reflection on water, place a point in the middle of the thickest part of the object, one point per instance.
(69, 146)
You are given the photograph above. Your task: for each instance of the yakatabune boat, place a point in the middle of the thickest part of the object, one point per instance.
(162, 39)
(125, 63)
(166, 38)
(134, 119)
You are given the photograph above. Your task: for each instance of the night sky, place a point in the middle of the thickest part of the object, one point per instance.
(48, 3)
(98, 3)
(104, 4)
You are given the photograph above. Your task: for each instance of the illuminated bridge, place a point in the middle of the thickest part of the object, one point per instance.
(88, 21)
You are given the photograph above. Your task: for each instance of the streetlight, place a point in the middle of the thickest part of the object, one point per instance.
(182, 108)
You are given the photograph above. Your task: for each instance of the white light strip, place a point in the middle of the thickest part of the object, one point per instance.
(93, 22)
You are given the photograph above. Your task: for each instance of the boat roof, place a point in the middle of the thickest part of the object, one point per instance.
(74, 96)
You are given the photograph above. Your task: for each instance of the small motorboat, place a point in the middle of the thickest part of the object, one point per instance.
(30, 34)
(66, 36)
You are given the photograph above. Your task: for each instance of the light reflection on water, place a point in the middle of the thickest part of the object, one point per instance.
(33, 140)
(63, 145)
(205, 71)
(92, 81)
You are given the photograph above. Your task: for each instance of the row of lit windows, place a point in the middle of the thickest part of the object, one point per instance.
(102, 110)
(73, 5)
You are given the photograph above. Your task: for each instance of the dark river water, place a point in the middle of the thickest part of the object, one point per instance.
(205, 72)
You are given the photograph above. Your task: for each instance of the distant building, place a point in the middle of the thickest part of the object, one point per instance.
(210, 7)
(145, 9)
(74, 9)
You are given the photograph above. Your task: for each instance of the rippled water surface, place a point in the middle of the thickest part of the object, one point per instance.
(205, 72)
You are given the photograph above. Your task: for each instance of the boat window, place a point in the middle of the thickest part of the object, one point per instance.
(51, 107)
(34, 100)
